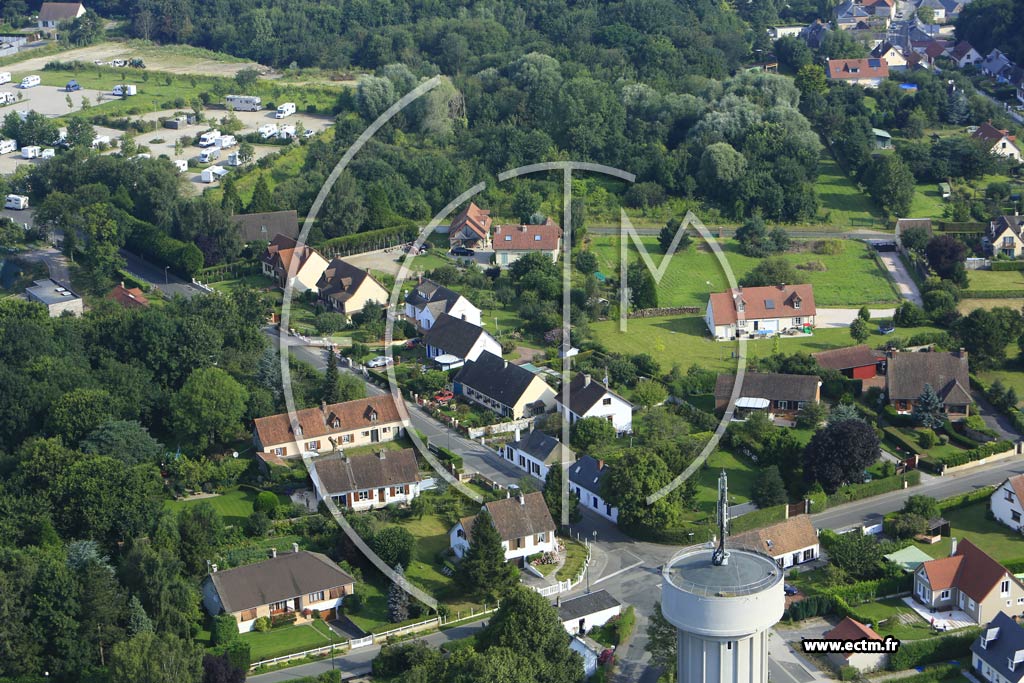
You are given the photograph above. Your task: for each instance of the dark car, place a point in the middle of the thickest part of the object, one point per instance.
(462, 251)
(72, 86)
(790, 590)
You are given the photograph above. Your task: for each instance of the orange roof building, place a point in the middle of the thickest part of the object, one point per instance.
(760, 311)
(327, 427)
(512, 242)
(129, 297)
(970, 582)
(471, 228)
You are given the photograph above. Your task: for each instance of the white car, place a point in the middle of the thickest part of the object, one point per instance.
(379, 362)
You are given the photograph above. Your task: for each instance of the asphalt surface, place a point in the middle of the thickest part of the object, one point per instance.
(159, 278)
(55, 262)
(901, 276)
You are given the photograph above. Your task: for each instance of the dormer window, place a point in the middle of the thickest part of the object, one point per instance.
(796, 303)
(373, 416)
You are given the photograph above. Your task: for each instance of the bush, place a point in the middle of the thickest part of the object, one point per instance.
(913, 653)
(262, 624)
(184, 258)
(353, 604)
(981, 452)
(286, 619)
(266, 502)
(811, 606)
(224, 629)
(848, 673)
(237, 653)
(852, 492)
(927, 438)
(1007, 265)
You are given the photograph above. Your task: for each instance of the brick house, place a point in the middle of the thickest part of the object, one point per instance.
(971, 581)
(855, 362)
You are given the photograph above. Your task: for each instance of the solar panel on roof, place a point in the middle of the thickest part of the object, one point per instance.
(874, 63)
(769, 304)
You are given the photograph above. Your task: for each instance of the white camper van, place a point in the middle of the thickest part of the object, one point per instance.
(123, 90)
(233, 160)
(267, 131)
(208, 155)
(16, 201)
(208, 138)
(7, 98)
(100, 140)
(181, 165)
(48, 153)
(212, 174)
(8, 146)
(5, 77)
(285, 110)
(31, 152)
(225, 141)
(243, 102)
(286, 132)
(29, 82)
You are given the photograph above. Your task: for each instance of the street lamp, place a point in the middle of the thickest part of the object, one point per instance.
(166, 276)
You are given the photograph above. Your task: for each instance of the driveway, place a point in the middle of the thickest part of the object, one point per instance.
(842, 317)
(995, 419)
(159, 278)
(901, 276)
(55, 262)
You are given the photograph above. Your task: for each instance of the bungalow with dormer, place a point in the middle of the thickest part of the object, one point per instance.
(590, 398)
(971, 581)
(997, 654)
(891, 54)
(998, 142)
(365, 482)
(328, 427)
(346, 289)
(504, 388)
(1006, 234)
(428, 301)
(907, 375)
(284, 253)
(777, 394)
(512, 242)
(458, 339)
(535, 453)
(523, 523)
(869, 72)
(760, 311)
(471, 228)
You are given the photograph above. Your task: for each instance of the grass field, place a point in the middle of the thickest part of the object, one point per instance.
(851, 278)
(684, 341)
(927, 201)
(842, 203)
(288, 639)
(971, 523)
(431, 539)
(575, 556)
(741, 473)
(988, 280)
(894, 618)
(235, 505)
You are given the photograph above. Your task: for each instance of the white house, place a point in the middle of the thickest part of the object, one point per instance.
(792, 542)
(585, 476)
(592, 610)
(361, 422)
(588, 398)
(289, 583)
(535, 453)
(523, 523)
(283, 253)
(851, 629)
(999, 142)
(760, 311)
(53, 13)
(1007, 502)
(428, 301)
(451, 336)
(963, 54)
(996, 654)
(504, 388)
(365, 482)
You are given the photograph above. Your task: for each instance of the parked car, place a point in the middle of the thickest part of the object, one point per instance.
(411, 343)
(379, 362)
(444, 396)
(462, 251)
(790, 590)
(72, 86)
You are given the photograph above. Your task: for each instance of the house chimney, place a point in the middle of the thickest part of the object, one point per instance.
(323, 407)
(505, 364)
(600, 465)
(521, 498)
(522, 228)
(122, 284)
(273, 553)
(952, 547)
(517, 433)
(586, 379)
(213, 569)
(295, 547)
(962, 353)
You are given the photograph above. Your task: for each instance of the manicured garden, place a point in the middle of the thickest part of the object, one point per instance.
(894, 618)
(972, 522)
(742, 474)
(288, 639)
(575, 557)
(234, 505)
(995, 280)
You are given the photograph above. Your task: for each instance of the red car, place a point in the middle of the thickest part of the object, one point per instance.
(444, 396)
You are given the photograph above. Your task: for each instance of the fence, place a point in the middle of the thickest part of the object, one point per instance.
(568, 584)
(500, 428)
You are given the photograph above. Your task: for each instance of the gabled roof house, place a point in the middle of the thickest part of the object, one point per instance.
(368, 481)
(968, 580)
(791, 542)
(589, 398)
(523, 522)
(869, 72)
(1006, 234)
(428, 301)
(338, 425)
(512, 242)
(946, 373)
(470, 228)
(778, 394)
(760, 311)
(585, 477)
(264, 227)
(503, 387)
(997, 655)
(284, 253)
(998, 142)
(460, 339)
(346, 289)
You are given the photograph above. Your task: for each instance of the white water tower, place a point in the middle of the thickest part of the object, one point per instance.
(723, 603)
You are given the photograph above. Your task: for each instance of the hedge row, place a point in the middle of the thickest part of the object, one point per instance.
(148, 241)
(1007, 265)
(957, 438)
(874, 487)
(893, 434)
(935, 674)
(372, 239)
(811, 606)
(979, 453)
(957, 502)
(993, 294)
(913, 653)
(866, 591)
(758, 519)
(688, 535)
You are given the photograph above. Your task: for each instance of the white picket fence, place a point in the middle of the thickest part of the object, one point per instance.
(568, 584)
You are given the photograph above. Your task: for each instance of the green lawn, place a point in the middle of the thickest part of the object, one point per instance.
(893, 618)
(927, 202)
(684, 341)
(235, 505)
(288, 639)
(970, 522)
(988, 280)
(850, 278)
(842, 203)
(431, 539)
(741, 479)
(575, 556)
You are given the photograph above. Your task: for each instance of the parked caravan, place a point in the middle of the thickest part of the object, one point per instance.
(5, 77)
(29, 82)
(181, 165)
(208, 155)
(225, 141)
(7, 98)
(208, 138)
(285, 110)
(267, 131)
(16, 201)
(286, 132)
(8, 146)
(243, 102)
(48, 153)
(123, 90)
(100, 140)
(233, 159)
(212, 174)
(143, 155)
(31, 152)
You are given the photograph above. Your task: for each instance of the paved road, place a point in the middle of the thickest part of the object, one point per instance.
(55, 262)
(358, 662)
(901, 276)
(842, 317)
(159, 278)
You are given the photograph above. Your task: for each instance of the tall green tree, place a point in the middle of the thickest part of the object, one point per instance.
(769, 489)
(209, 408)
(483, 569)
(398, 599)
(859, 330)
(643, 290)
(329, 388)
(262, 201)
(553, 496)
(928, 410)
(839, 454)
(201, 529)
(152, 658)
(630, 480)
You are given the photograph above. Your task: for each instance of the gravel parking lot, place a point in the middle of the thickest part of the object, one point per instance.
(50, 101)
(10, 162)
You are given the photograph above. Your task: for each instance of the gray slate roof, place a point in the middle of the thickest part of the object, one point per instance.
(587, 474)
(771, 386)
(538, 444)
(496, 378)
(1008, 640)
(428, 294)
(945, 372)
(341, 474)
(585, 605)
(263, 227)
(453, 335)
(341, 280)
(516, 517)
(286, 576)
(584, 393)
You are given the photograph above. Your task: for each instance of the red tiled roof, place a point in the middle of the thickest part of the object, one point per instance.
(844, 359)
(851, 629)
(970, 570)
(129, 297)
(935, 49)
(961, 50)
(527, 237)
(316, 422)
(1017, 482)
(782, 298)
(853, 69)
(473, 217)
(282, 249)
(990, 133)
